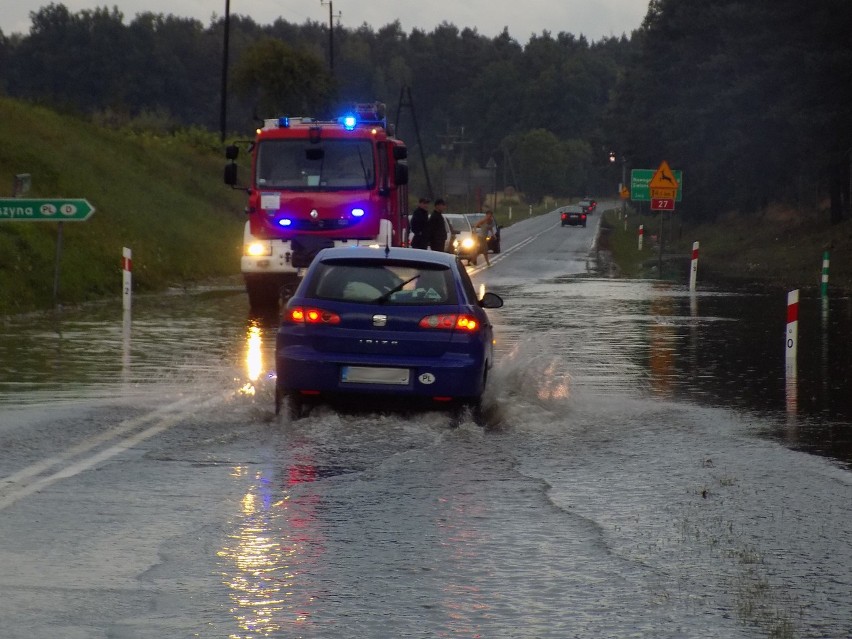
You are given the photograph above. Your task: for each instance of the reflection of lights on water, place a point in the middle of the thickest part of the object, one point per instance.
(255, 590)
(265, 563)
(661, 346)
(254, 361)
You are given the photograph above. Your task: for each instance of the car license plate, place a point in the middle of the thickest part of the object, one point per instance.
(373, 375)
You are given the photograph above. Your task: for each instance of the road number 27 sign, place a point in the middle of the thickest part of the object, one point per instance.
(659, 204)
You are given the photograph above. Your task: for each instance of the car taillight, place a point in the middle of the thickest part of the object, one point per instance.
(584, 216)
(306, 315)
(450, 321)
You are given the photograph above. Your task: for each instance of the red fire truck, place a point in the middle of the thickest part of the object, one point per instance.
(316, 184)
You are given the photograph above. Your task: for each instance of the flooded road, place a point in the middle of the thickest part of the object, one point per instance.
(649, 470)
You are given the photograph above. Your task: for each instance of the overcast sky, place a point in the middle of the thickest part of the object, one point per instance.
(595, 19)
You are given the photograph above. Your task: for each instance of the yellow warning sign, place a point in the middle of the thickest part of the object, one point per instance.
(663, 178)
(663, 193)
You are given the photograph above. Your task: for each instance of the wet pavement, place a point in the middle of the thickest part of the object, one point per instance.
(650, 468)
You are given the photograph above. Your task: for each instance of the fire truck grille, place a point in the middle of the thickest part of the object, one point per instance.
(320, 225)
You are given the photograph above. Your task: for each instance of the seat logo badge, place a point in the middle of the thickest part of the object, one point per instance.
(427, 378)
(380, 320)
(314, 214)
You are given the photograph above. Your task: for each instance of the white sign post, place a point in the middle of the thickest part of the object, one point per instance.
(792, 341)
(126, 284)
(693, 271)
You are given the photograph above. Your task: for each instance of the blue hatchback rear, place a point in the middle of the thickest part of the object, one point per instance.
(373, 326)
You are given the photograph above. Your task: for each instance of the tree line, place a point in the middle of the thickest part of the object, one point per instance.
(750, 100)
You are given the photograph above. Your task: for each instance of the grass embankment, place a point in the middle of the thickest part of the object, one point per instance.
(161, 196)
(777, 248)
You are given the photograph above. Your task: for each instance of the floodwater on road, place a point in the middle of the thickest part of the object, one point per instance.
(650, 469)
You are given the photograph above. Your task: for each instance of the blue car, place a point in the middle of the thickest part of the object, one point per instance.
(384, 328)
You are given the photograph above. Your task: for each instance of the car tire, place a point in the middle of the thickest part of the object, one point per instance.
(477, 413)
(467, 409)
(279, 398)
(296, 408)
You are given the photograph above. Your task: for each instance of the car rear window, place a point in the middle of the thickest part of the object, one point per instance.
(382, 282)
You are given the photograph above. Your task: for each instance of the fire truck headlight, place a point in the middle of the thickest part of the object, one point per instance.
(357, 212)
(258, 249)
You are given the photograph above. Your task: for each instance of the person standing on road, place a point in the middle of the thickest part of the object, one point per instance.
(420, 225)
(485, 229)
(438, 227)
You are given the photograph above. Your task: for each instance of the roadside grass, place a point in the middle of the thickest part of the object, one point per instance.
(160, 195)
(776, 248)
(619, 236)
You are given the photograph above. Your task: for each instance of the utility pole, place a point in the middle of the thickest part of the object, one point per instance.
(331, 17)
(223, 119)
(406, 100)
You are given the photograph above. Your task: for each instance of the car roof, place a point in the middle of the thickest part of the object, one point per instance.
(395, 253)
(460, 217)
(574, 207)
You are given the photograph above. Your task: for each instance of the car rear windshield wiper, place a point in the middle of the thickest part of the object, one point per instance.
(384, 297)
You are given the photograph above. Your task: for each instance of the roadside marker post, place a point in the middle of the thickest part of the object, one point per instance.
(824, 284)
(693, 270)
(792, 340)
(791, 391)
(126, 270)
(641, 235)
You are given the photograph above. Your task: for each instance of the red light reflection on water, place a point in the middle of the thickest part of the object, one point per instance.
(273, 552)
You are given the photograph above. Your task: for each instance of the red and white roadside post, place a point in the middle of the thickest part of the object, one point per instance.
(693, 269)
(126, 282)
(792, 342)
(641, 235)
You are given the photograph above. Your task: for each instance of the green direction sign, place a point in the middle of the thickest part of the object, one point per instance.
(639, 180)
(52, 210)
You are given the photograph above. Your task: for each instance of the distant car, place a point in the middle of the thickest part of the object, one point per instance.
(493, 239)
(384, 327)
(574, 215)
(589, 204)
(465, 242)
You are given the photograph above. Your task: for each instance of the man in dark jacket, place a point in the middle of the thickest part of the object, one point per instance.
(438, 227)
(419, 225)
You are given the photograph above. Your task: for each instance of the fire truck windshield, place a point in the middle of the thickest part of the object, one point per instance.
(334, 164)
